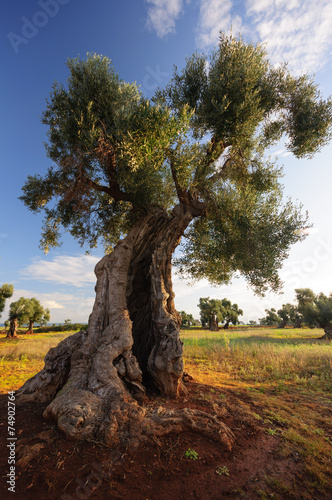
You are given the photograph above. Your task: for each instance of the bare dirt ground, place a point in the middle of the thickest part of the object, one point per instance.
(180, 466)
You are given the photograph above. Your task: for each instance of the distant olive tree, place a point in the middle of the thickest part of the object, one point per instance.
(271, 318)
(27, 312)
(231, 313)
(211, 312)
(6, 291)
(215, 311)
(186, 319)
(316, 310)
(289, 314)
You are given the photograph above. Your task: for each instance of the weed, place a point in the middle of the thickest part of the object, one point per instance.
(222, 471)
(192, 454)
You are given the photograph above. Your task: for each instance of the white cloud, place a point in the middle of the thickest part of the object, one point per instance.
(52, 304)
(64, 269)
(163, 14)
(297, 32)
(214, 16)
(77, 271)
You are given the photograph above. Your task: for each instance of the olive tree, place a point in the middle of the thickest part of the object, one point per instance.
(137, 176)
(271, 318)
(211, 312)
(231, 313)
(28, 312)
(17, 314)
(6, 291)
(36, 313)
(289, 314)
(186, 318)
(214, 311)
(316, 310)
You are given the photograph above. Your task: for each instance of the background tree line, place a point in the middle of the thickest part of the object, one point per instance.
(312, 310)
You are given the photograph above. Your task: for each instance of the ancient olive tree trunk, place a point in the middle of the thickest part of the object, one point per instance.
(95, 380)
(13, 326)
(213, 323)
(30, 329)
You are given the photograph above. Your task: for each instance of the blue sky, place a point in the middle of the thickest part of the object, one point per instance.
(145, 39)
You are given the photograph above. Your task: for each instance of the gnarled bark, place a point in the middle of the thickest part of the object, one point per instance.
(213, 324)
(13, 326)
(95, 380)
(30, 329)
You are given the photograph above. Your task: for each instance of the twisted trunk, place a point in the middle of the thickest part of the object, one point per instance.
(30, 329)
(13, 326)
(95, 380)
(213, 326)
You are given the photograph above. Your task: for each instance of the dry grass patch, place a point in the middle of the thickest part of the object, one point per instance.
(23, 357)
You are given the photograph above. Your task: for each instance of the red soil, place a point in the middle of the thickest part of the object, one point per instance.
(50, 467)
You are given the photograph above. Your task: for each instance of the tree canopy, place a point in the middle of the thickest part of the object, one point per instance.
(231, 313)
(289, 314)
(315, 309)
(209, 307)
(200, 142)
(6, 291)
(271, 318)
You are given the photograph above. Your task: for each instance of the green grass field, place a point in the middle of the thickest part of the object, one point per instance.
(285, 373)
(263, 356)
